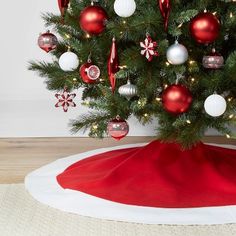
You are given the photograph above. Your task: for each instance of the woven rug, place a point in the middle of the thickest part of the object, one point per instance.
(21, 215)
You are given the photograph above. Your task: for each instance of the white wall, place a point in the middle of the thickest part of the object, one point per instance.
(27, 108)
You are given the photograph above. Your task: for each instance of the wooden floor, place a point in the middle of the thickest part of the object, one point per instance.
(19, 156)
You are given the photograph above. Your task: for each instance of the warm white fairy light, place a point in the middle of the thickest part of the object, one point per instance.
(227, 136)
(230, 99)
(87, 36)
(167, 63)
(231, 116)
(67, 36)
(95, 127)
(193, 79)
(158, 99)
(231, 15)
(191, 62)
(165, 86)
(188, 122)
(146, 115)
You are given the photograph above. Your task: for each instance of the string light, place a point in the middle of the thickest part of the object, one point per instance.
(165, 86)
(230, 99)
(67, 36)
(158, 99)
(146, 115)
(180, 25)
(231, 15)
(87, 36)
(95, 127)
(188, 121)
(231, 116)
(227, 136)
(124, 22)
(122, 67)
(192, 79)
(167, 63)
(214, 13)
(191, 62)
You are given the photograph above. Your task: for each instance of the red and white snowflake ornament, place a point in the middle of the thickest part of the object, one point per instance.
(148, 46)
(65, 100)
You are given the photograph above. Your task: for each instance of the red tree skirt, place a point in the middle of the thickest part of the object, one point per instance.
(158, 175)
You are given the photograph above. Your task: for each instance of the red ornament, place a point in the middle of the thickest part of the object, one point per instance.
(47, 41)
(63, 5)
(165, 8)
(89, 72)
(65, 100)
(148, 48)
(176, 99)
(113, 64)
(93, 20)
(205, 27)
(117, 128)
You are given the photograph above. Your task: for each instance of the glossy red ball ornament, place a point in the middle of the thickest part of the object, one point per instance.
(93, 20)
(89, 73)
(47, 41)
(176, 99)
(117, 128)
(205, 27)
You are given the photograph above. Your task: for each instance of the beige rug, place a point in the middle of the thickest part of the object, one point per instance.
(21, 215)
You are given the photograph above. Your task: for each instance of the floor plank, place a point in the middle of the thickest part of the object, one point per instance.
(19, 156)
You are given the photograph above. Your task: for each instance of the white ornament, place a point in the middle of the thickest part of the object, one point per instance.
(177, 54)
(68, 61)
(124, 8)
(215, 105)
(128, 90)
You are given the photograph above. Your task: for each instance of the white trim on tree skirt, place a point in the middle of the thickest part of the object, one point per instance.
(43, 186)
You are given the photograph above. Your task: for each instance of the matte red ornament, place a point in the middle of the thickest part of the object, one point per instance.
(205, 27)
(47, 41)
(165, 8)
(113, 64)
(117, 128)
(176, 99)
(63, 5)
(93, 20)
(89, 73)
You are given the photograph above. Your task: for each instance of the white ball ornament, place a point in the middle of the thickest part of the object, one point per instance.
(215, 105)
(124, 8)
(68, 61)
(177, 54)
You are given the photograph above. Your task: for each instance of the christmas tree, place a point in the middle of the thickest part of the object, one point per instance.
(174, 61)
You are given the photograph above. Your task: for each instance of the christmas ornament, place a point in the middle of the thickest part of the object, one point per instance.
(63, 5)
(68, 61)
(205, 28)
(215, 105)
(124, 8)
(128, 90)
(47, 41)
(117, 128)
(148, 48)
(177, 54)
(89, 72)
(176, 99)
(213, 61)
(165, 7)
(113, 64)
(93, 19)
(65, 100)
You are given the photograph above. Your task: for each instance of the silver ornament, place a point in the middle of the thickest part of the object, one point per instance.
(213, 61)
(177, 54)
(128, 90)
